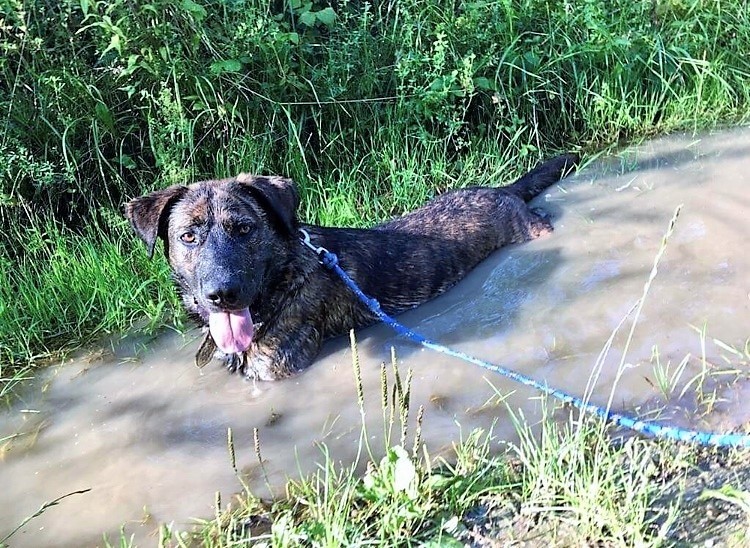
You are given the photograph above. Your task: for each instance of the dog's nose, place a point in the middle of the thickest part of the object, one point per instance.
(225, 297)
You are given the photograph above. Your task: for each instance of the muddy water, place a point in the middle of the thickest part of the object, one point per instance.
(146, 431)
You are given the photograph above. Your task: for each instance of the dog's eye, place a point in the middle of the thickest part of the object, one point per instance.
(244, 230)
(188, 238)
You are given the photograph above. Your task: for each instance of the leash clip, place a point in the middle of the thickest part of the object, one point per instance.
(320, 251)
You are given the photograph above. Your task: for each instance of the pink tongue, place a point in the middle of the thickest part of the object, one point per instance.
(232, 331)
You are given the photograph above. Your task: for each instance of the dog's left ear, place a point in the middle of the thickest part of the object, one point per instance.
(277, 195)
(149, 214)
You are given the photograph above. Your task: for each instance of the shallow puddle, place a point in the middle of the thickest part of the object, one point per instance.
(146, 431)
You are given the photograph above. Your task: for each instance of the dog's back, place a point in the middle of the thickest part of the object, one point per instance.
(499, 215)
(411, 259)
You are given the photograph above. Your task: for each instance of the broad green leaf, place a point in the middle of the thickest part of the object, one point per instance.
(196, 10)
(307, 18)
(326, 16)
(228, 65)
(104, 116)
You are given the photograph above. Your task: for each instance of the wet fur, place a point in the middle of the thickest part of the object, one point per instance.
(247, 229)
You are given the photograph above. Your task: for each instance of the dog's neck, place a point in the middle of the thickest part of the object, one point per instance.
(288, 272)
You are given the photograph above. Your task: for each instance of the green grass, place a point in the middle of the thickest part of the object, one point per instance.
(371, 108)
(65, 289)
(129, 98)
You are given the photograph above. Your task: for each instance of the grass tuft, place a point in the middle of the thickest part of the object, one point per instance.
(562, 483)
(65, 289)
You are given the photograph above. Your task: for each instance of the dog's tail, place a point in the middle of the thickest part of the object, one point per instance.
(539, 178)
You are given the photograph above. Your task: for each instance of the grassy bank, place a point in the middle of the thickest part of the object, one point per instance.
(370, 107)
(105, 99)
(571, 487)
(62, 289)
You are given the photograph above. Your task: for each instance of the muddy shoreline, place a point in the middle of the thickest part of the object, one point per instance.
(701, 519)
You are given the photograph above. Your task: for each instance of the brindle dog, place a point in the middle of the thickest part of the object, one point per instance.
(234, 248)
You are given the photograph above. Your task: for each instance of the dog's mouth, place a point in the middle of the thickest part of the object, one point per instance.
(232, 331)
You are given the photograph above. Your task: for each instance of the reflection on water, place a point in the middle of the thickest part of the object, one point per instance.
(146, 430)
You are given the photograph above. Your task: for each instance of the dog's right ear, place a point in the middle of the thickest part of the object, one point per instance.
(277, 195)
(148, 215)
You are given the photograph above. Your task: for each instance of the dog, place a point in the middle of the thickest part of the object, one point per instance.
(235, 251)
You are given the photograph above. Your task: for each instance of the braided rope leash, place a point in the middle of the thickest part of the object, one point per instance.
(655, 430)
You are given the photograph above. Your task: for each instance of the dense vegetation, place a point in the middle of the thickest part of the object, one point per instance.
(371, 107)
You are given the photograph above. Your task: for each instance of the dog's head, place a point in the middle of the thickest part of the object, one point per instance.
(222, 239)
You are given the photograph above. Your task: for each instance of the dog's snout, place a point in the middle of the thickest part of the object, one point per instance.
(225, 296)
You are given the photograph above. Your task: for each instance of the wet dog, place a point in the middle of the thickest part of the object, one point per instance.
(237, 260)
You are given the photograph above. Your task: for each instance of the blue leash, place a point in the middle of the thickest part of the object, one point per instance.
(331, 261)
